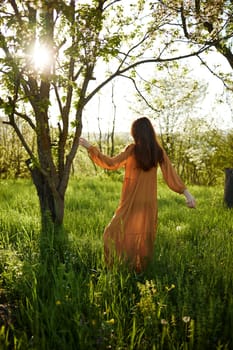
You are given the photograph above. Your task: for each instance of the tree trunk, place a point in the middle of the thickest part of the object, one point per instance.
(50, 205)
(53, 239)
(228, 190)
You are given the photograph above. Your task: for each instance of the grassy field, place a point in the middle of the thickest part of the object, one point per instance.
(183, 301)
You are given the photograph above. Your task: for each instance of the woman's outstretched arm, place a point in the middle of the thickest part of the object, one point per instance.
(106, 162)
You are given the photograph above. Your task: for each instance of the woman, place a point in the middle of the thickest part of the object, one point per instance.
(131, 233)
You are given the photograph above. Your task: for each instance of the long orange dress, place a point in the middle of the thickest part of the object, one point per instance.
(131, 233)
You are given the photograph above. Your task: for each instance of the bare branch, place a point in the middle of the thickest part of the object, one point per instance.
(20, 135)
(26, 118)
(58, 98)
(77, 74)
(138, 63)
(212, 72)
(183, 19)
(127, 54)
(111, 3)
(16, 10)
(141, 95)
(197, 6)
(226, 52)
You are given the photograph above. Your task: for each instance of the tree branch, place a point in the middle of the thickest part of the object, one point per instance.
(138, 63)
(140, 94)
(26, 118)
(16, 10)
(183, 20)
(111, 3)
(127, 54)
(20, 136)
(58, 98)
(225, 51)
(77, 74)
(212, 72)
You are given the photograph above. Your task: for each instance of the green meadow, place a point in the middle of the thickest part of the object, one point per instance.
(183, 301)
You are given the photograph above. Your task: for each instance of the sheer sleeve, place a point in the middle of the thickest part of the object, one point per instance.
(110, 163)
(170, 175)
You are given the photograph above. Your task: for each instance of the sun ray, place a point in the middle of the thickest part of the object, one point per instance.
(42, 57)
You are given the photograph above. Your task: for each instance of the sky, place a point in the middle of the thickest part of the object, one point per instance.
(103, 106)
(101, 109)
(124, 100)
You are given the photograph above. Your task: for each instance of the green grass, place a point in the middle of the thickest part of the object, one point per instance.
(183, 301)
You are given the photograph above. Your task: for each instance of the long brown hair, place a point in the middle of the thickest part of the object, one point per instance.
(148, 152)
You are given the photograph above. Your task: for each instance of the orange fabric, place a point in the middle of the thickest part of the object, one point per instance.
(131, 233)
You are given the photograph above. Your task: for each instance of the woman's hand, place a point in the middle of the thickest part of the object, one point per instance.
(190, 200)
(83, 142)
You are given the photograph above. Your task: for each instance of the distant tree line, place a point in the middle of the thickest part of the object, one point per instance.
(200, 153)
(12, 154)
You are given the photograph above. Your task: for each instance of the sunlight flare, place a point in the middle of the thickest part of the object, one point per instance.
(42, 57)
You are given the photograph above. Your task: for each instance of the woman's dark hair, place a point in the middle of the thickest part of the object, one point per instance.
(148, 152)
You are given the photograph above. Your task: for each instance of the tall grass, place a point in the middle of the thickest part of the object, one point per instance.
(183, 301)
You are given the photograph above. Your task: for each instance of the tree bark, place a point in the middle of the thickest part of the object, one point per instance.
(53, 237)
(228, 190)
(51, 204)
